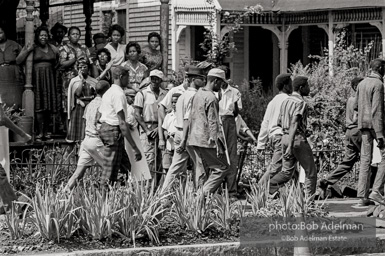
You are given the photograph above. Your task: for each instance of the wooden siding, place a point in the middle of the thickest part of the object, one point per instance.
(238, 72)
(73, 16)
(144, 18)
(183, 55)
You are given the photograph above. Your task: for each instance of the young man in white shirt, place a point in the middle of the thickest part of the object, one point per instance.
(229, 105)
(169, 133)
(114, 126)
(270, 132)
(91, 148)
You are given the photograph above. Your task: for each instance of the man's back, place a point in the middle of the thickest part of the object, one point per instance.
(370, 103)
(204, 119)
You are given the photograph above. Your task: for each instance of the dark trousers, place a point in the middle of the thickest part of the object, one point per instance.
(276, 160)
(219, 167)
(230, 131)
(301, 153)
(368, 136)
(352, 153)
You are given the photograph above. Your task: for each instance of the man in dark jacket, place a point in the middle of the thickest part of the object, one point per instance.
(370, 105)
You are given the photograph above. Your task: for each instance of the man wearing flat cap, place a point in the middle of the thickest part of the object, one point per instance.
(99, 43)
(205, 132)
(114, 126)
(196, 80)
(146, 113)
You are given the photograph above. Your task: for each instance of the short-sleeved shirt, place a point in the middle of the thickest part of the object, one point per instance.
(229, 96)
(113, 101)
(146, 100)
(118, 55)
(90, 116)
(167, 100)
(169, 126)
(135, 74)
(204, 120)
(293, 106)
(183, 106)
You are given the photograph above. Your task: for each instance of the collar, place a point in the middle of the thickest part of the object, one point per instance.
(192, 89)
(161, 91)
(115, 86)
(297, 95)
(376, 75)
(227, 89)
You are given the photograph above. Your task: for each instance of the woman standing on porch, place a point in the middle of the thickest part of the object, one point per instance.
(115, 47)
(45, 58)
(137, 70)
(151, 55)
(69, 55)
(11, 77)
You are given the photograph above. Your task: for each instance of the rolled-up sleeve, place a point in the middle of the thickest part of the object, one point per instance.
(139, 100)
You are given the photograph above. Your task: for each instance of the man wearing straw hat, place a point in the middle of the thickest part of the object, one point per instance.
(205, 132)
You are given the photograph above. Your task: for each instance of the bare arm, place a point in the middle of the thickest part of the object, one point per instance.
(139, 118)
(161, 116)
(23, 55)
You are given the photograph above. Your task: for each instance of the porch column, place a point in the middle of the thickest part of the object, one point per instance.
(174, 40)
(283, 47)
(44, 12)
(164, 30)
(28, 100)
(383, 33)
(88, 10)
(331, 44)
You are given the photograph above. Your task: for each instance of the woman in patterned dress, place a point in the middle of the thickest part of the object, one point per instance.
(45, 58)
(137, 70)
(151, 55)
(69, 55)
(115, 47)
(80, 92)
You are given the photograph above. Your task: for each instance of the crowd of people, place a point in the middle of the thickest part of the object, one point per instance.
(115, 103)
(285, 127)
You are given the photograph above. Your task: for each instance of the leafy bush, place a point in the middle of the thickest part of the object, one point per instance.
(254, 102)
(330, 93)
(54, 213)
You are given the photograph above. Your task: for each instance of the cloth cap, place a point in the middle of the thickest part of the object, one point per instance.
(98, 35)
(216, 72)
(129, 92)
(157, 73)
(195, 71)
